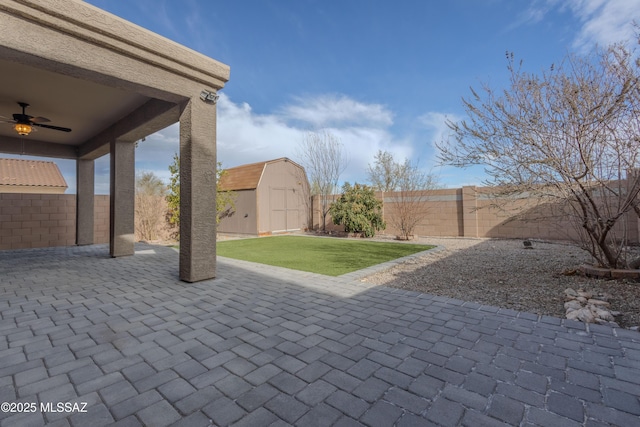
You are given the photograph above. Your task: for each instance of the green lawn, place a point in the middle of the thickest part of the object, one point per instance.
(328, 256)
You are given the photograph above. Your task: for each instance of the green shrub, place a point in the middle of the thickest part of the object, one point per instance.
(358, 210)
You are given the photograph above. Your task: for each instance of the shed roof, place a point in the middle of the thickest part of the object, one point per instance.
(247, 177)
(35, 173)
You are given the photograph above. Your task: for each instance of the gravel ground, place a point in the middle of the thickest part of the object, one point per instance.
(503, 273)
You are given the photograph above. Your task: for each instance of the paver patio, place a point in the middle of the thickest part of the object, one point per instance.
(263, 346)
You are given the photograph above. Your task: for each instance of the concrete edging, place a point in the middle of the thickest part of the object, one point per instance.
(609, 273)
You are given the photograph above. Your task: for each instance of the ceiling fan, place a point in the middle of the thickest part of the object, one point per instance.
(24, 123)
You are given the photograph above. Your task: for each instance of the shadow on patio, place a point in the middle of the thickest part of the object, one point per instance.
(262, 345)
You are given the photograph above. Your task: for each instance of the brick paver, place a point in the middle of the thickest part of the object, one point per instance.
(263, 345)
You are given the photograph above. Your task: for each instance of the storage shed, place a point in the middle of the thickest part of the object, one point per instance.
(271, 197)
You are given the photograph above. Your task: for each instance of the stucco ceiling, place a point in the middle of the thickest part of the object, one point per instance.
(84, 106)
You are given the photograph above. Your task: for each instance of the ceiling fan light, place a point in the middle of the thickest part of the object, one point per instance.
(22, 128)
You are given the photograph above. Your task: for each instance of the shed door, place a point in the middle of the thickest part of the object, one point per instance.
(284, 209)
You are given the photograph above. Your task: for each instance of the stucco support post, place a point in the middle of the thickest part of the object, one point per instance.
(85, 177)
(198, 191)
(470, 211)
(122, 198)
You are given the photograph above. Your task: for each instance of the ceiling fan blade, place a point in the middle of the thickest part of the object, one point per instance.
(39, 120)
(52, 127)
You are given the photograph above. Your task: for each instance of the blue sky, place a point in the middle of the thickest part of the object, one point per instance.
(378, 74)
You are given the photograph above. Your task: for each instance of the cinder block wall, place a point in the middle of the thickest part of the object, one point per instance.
(101, 219)
(316, 215)
(444, 213)
(43, 220)
(467, 212)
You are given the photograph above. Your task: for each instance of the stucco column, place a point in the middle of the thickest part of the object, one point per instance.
(122, 198)
(198, 191)
(470, 211)
(85, 177)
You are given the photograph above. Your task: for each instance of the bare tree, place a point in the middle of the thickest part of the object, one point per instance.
(411, 206)
(150, 206)
(569, 136)
(406, 184)
(385, 171)
(324, 159)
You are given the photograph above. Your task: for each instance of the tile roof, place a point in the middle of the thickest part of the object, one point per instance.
(36, 173)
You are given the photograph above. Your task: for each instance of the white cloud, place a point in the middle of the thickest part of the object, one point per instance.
(436, 123)
(534, 13)
(247, 137)
(605, 22)
(438, 132)
(602, 22)
(363, 143)
(334, 110)
(244, 136)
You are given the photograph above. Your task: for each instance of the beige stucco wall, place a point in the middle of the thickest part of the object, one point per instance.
(43, 220)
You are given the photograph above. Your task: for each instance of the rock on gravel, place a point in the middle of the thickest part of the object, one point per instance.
(503, 273)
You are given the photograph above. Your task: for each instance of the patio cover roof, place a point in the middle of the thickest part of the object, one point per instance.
(112, 83)
(93, 72)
